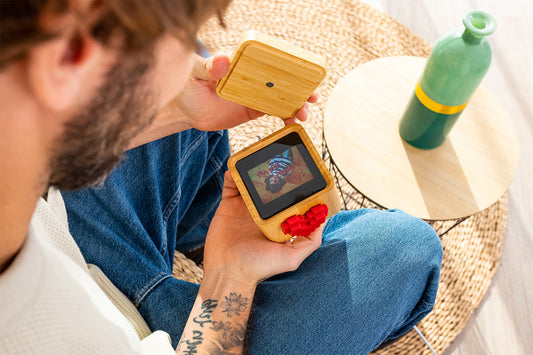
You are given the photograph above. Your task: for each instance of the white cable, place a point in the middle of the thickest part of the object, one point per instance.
(425, 340)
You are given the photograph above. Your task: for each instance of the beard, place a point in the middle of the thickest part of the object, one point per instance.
(94, 140)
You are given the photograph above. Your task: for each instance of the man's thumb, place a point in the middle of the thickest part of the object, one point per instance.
(212, 68)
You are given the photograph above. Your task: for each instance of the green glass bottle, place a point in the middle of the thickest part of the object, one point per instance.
(453, 71)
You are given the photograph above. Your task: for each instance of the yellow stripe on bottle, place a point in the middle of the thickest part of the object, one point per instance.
(435, 106)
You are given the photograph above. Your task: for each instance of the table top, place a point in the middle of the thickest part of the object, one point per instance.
(468, 173)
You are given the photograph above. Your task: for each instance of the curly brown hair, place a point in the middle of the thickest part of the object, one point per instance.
(141, 22)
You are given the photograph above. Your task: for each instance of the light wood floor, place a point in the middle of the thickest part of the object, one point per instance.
(503, 324)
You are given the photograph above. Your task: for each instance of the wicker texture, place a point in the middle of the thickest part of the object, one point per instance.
(186, 269)
(350, 33)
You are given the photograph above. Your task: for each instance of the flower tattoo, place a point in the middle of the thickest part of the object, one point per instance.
(224, 327)
(234, 304)
(231, 336)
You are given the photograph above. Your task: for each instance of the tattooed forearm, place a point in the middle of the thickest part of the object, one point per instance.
(207, 308)
(212, 331)
(234, 304)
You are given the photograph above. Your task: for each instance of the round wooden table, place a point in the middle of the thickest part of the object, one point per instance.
(468, 173)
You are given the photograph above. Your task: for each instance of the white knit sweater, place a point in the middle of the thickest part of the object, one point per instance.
(52, 302)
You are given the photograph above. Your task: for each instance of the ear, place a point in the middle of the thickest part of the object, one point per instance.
(58, 70)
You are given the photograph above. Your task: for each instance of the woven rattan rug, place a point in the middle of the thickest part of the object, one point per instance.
(349, 33)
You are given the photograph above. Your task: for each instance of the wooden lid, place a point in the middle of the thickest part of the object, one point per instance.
(468, 173)
(271, 75)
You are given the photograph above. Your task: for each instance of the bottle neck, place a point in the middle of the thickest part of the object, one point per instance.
(471, 38)
(478, 24)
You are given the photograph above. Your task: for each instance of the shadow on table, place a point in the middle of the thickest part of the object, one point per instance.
(440, 196)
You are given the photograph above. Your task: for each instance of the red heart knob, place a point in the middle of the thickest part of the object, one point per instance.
(303, 226)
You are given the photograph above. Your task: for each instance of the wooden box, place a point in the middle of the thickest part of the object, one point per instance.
(271, 75)
(271, 226)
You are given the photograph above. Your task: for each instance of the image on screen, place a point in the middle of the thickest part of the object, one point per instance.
(279, 175)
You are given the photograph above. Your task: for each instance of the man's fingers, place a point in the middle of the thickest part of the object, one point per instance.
(315, 238)
(289, 121)
(304, 246)
(303, 112)
(212, 68)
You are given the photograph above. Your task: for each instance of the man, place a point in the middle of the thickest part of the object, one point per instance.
(81, 81)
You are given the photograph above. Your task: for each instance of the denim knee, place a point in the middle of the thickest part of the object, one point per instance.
(417, 253)
(414, 238)
(419, 257)
(396, 258)
(390, 229)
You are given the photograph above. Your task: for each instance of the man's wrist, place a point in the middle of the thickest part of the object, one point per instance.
(220, 282)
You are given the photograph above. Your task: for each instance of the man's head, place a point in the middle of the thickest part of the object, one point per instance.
(92, 74)
(274, 183)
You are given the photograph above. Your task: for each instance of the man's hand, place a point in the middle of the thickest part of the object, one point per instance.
(236, 249)
(199, 106)
(237, 256)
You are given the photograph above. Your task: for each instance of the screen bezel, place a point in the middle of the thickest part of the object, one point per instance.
(316, 184)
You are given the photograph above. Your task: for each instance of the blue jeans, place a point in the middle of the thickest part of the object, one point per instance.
(374, 277)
